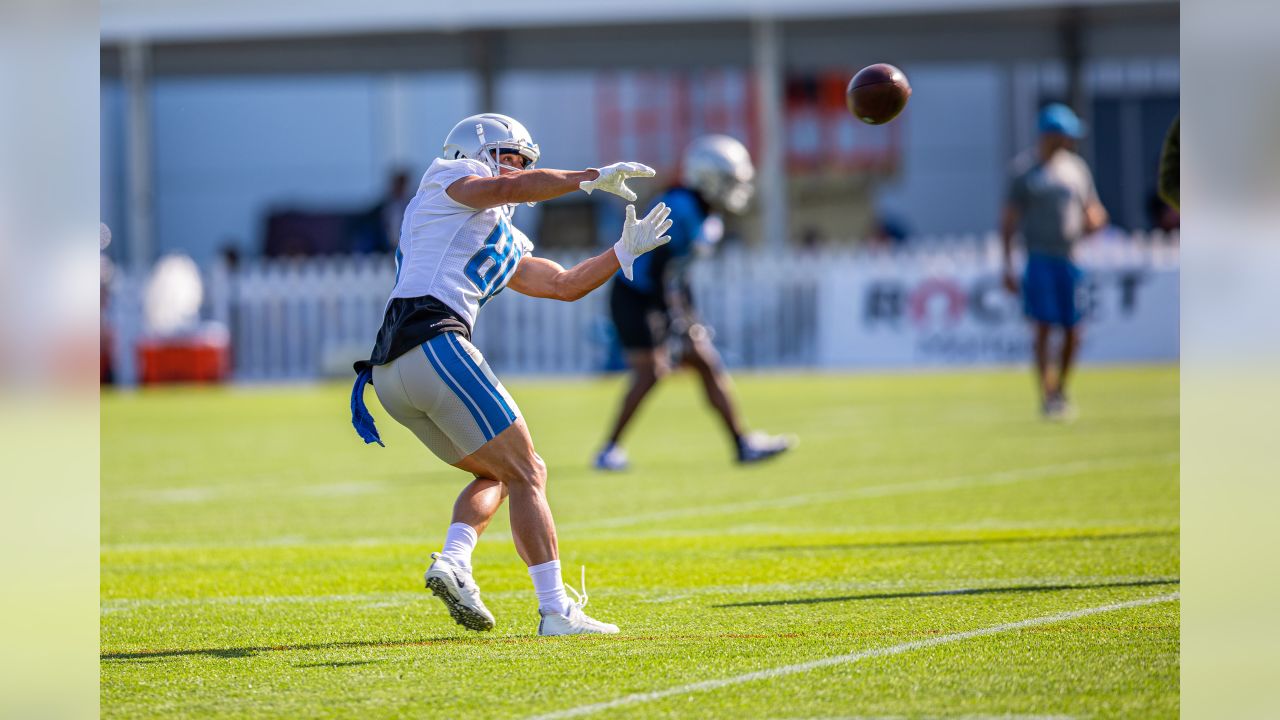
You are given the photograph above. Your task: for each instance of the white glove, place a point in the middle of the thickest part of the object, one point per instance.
(641, 236)
(613, 179)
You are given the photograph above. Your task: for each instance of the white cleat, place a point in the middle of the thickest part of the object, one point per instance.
(611, 459)
(1056, 408)
(576, 622)
(455, 587)
(757, 447)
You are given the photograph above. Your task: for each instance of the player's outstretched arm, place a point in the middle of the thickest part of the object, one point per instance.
(540, 277)
(538, 185)
(517, 187)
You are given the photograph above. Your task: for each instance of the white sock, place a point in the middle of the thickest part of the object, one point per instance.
(549, 587)
(458, 544)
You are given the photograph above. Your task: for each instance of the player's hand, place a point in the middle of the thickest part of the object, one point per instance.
(641, 236)
(613, 179)
(1011, 282)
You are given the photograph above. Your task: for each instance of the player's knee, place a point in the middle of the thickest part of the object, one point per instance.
(528, 471)
(703, 359)
(661, 370)
(536, 472)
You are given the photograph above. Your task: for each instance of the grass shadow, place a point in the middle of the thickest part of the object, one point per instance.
(951, 593)
(243, 652)
(338, 663)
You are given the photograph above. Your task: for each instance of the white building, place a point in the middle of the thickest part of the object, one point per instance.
(214, 114)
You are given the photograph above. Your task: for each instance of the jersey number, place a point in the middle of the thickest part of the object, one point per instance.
(493, 265)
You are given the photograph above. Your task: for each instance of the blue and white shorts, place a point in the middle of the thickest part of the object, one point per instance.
(446, 394)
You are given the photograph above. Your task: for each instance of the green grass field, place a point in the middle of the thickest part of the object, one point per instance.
(259, 561)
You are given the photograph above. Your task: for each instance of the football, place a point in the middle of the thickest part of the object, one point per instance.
(878, 93)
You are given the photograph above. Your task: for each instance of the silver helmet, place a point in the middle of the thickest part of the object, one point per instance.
(485, 136)
(719, 167)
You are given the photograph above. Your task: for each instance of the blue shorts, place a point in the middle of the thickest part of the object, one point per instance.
(1049, 290)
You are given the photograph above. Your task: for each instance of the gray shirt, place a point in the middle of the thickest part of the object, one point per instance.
(1051, 198)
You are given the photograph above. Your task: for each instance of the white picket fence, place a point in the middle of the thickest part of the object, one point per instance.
(304, 319)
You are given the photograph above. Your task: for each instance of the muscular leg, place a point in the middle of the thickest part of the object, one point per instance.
(1070, 344)
(647, 367)
(1040, 345)
(478, 502)
(510, 460)
(701, 355)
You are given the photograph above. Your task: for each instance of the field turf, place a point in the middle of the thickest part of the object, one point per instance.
(259, 561)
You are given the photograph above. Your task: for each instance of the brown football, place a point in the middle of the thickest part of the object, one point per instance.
(877, 93)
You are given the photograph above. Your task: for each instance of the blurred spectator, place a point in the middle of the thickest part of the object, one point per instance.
(811, 240)
(1053, 202)
(390, 211)
(889, 230)
(229, 254)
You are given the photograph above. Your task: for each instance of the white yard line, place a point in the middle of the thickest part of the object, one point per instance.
(934, 717)
(857, 533)
(784, 670)
(348, 489)
(205, 494)
(178, 496)
(116, 605)
(832, 531)
(874, 491)
(285, 541)
(396, 598)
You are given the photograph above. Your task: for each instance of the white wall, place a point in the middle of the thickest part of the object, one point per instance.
(954, 150)
(227, 149)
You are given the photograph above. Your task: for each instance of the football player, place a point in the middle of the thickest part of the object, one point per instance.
(651, 303)
(458, 249)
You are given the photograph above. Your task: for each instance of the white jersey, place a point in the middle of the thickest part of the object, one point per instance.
(457, 254)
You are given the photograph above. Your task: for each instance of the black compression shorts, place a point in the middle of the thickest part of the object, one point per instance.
(640, 319)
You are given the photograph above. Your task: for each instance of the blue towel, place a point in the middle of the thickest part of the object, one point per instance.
(361, 420)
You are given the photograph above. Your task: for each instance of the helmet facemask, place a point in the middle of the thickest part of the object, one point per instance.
(737, 195)
(727, 190)
(491, 152)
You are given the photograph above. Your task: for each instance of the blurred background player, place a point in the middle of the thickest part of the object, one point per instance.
(654, 303)
(1053, 202)
(457, 250)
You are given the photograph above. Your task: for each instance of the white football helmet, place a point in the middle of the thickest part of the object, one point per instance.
(719, 167)
(485, 136)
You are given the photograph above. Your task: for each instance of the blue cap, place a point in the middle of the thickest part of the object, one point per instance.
(1060, 119)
